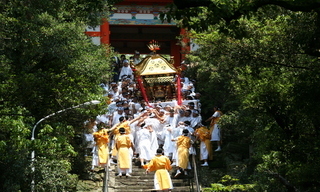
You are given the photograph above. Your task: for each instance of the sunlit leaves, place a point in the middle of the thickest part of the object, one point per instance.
(53, 142)
(53, 175)
(228, 183)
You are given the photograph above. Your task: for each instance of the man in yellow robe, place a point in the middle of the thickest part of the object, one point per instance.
(215, 127)
(123, 143)
(161, 165)
(183, 145)
(203, 134)
(124, 123)
(101, 138)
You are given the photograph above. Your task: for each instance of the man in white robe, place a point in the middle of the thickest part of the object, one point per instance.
(144, 141)
(136, 58)
(186, 116)
(170, 123)
(196, 118)
(104, 118)
(157, 126)
(176, 132)
(126, 70)
(116, 115)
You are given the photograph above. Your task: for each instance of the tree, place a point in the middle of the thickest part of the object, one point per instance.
(268, 80)
(200, 14)
(47, 64)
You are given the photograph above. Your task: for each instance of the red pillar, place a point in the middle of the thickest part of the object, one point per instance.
(175, 52)
(178, 91)
(105, 32)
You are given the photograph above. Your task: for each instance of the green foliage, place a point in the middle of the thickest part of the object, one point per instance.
(261, 71)
(53, 175)
(47, 64)
(14, 142)
(228, 183)
(200, 15)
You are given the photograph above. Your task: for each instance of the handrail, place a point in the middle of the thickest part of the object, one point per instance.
(195, 172)
(106, 178)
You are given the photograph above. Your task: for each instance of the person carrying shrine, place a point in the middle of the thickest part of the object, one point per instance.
(144, 141)
(101, 150)
(161, 165)
(214, 127)
(167, 133)
(183, 145)
(123, 143)
(115, 130)
(202, 133)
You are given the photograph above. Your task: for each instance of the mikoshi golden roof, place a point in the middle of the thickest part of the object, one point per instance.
(155, 65)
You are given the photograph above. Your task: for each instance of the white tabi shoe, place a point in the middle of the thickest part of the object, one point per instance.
(204, 165)
(178, 173)
(128, 175)
(218, 149)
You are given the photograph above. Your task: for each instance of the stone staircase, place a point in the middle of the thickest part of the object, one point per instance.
(230, 158)
(144, 182)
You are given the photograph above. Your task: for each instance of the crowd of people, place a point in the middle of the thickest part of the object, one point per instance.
(160, 135)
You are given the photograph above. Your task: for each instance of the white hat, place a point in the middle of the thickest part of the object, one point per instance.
(146, 125)
(195, 111)
(152, 115)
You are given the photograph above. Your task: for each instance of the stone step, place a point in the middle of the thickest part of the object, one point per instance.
(150, 189)
(143, 175)
(140, 181)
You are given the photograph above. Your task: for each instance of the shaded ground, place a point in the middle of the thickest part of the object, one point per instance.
(91, 181)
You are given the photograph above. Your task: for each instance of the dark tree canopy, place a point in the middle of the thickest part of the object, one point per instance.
(47, 64)
(200, 14)
(260, 60)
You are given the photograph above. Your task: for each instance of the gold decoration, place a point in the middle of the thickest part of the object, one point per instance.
(153, 46)
(159, 79)
(155, 65)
